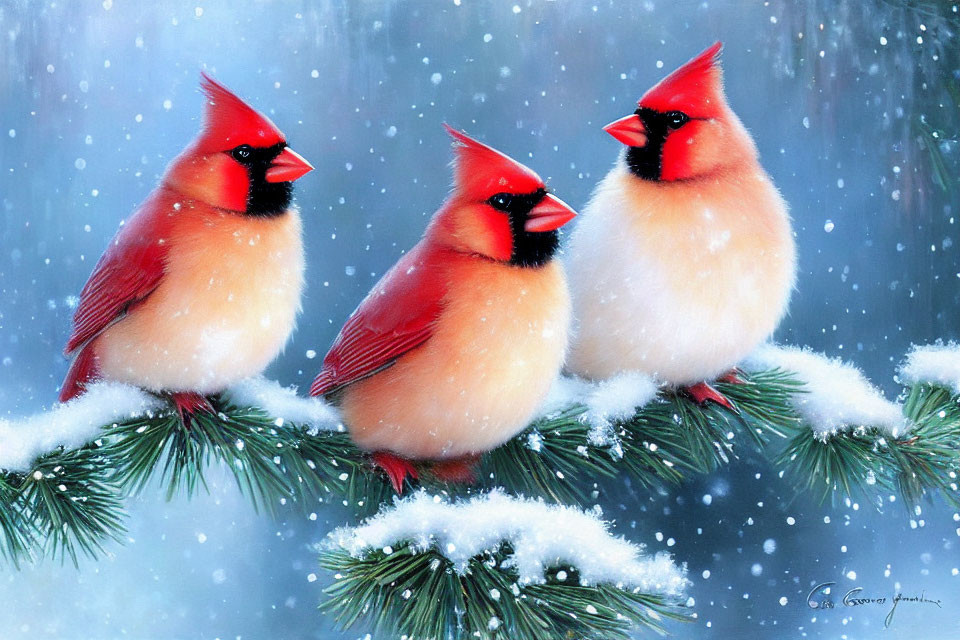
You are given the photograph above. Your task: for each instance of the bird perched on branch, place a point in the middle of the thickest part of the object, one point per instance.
(201, 286)
(684, 259)
(452, 350)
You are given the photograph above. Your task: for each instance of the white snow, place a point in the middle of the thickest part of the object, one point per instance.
(619, 397)
(936, 363)
(565, 392)
(542, 536)
(607, 401)
(79, 421)
(837, 396)
(284, 403)
(71, 424)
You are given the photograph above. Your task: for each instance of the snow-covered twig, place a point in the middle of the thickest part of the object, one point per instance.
(497, 567)
(72, 424)
(936, 363)
(837, 395)
(284, 403)
(607, 401)
(541, 536)
(64, 472)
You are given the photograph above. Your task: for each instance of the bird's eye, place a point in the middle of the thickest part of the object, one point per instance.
(242, 153)
(500, 201)
(676, 119)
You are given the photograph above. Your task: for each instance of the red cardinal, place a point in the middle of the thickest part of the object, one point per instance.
(452, 351)
(201, 286)
(685, 259)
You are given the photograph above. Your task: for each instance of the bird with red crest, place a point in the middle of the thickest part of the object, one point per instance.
(685, 259)
(452, 351)
(201, 285)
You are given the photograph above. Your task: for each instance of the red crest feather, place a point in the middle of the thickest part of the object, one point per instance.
(481, 171)
(229, 122)
(696, 88)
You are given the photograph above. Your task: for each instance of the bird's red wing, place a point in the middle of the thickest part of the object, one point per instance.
(397, 315)
(129, 270)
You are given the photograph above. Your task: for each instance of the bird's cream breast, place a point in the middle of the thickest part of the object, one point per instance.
(224, 309)
(498, 345)
(680, 280)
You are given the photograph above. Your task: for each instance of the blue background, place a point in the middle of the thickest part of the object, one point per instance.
(96, 98)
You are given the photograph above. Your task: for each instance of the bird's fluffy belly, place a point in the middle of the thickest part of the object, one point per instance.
(476, 382)
(681, 294)
(224, 309)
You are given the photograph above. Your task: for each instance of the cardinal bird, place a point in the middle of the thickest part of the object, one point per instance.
(684, 260)
(454, 348)
(201, 286)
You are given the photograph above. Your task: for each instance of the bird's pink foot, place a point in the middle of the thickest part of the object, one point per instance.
(459, 470)
(396, 468)
(189, 403)
(703, 392)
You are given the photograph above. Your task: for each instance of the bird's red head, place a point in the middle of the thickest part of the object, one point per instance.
(500, 208)
(240, 160)
(683, 127)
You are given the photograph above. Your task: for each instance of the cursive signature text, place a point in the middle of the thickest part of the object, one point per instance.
(819, 598)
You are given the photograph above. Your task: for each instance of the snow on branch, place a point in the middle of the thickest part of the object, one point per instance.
(542, 536)
(79, 421)
(72, 424)
(284, 404)
(607, 401)
(837, 394)
(936, 363)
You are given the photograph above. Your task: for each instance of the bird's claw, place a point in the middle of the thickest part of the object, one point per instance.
(396, 468)
(189, 403)
(703, 392)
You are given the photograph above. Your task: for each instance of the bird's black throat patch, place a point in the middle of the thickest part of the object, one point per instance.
(647, 161)
(264, 199)
(530, 249)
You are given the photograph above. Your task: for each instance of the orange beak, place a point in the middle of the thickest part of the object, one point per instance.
(288, 166)
(629, 130)
(549, 214)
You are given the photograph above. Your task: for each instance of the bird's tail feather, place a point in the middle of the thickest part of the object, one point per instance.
(83, 369)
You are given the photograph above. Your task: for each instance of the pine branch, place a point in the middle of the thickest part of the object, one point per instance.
(244, 440)
(928, 459)
(870, 462)
(496, 567)
(327, 465)
(69, 504)
(420, 594)
(554, 459)
(661, 445)
(71, 501)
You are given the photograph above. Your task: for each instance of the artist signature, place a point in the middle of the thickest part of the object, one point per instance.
(819, 598)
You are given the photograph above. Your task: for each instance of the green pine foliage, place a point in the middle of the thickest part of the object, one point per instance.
(868, 462)
(64, 507)
(662, 444)
(420, 594)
